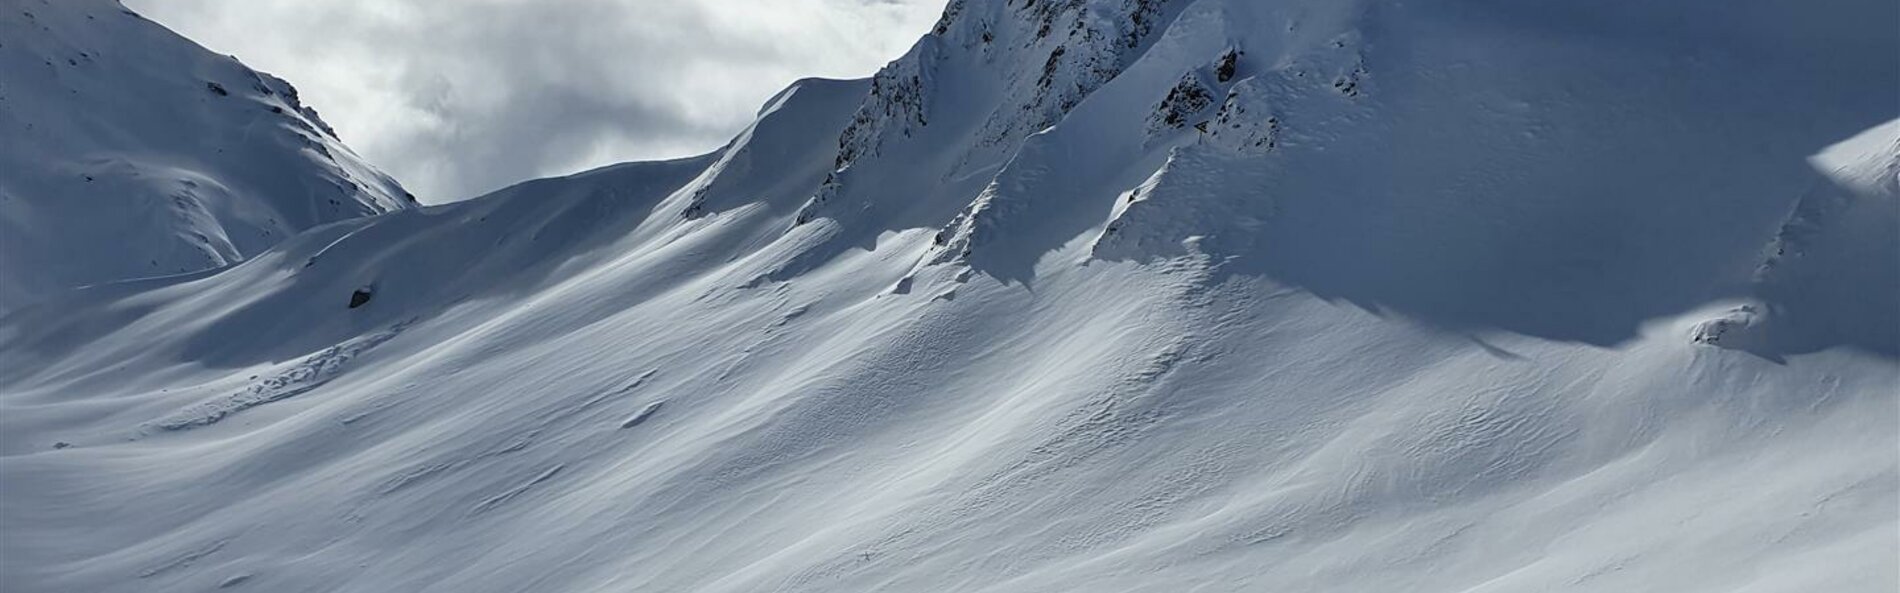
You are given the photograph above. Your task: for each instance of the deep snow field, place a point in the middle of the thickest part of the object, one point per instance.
(1077, 295)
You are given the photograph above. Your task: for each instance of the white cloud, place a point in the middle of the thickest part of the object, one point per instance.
(456, 98)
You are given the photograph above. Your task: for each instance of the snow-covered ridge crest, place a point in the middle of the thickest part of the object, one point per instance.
(988, 75)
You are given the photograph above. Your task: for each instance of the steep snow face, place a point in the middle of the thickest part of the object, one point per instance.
(129, 151)
(1335, 130)
(1320, 296)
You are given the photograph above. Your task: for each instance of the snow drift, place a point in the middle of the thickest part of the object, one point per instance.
(1089, 295)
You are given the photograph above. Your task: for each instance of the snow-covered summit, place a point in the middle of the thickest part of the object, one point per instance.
(129, 152)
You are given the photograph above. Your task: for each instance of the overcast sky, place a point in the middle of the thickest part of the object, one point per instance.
(455, 98)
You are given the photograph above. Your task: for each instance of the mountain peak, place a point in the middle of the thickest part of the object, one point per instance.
(134, 152)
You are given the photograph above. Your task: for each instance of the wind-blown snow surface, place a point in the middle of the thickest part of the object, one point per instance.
(127, 151)
(1116, 295)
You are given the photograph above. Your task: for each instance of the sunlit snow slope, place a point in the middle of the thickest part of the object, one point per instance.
(1078, 295)
(127, 151)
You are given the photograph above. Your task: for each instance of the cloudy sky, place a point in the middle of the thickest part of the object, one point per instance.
(456, 98)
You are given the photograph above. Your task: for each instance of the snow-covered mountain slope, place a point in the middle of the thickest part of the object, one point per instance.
(128, 151)
(1079, 295)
